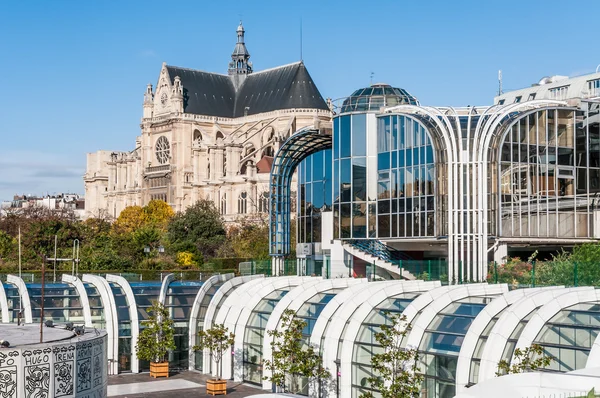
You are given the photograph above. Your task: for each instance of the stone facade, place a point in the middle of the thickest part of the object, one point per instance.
(206, 135)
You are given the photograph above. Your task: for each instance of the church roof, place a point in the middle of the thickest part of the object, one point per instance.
(205, 93)
(211, 94)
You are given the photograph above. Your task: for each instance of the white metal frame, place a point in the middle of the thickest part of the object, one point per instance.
(133, 316)
(506, 324)
(111, 318)
(193, 324)
(357, 318)
(216, 302)
(25, 301)
(480, 323)
(549, 310)
(83, 297)
(293, 301)
(235, 312)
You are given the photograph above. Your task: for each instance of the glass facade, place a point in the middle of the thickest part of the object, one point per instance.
(569, 335)
(481, 342)
(549, 174)
(61, 302)
(440, 345)
(406, 179)
(353, 202)
(123, 308)
(145, 293)
(254, 335)
(208, 295)
(366, 345)
(179, 301)
(314, 195)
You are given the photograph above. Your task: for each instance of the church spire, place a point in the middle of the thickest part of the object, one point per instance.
(240, 64)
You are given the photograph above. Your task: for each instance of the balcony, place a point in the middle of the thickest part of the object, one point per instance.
(165, 168)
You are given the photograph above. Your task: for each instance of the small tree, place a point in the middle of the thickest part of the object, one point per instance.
(217, 340)
(528, 360)
(292, 357)
(396, 367)
(156, 339)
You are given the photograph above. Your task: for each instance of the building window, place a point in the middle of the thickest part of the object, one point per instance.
(531, 97)
(242, 203)
(518, 99)
(558, 93)
(224, 203)
(594, 88)
(501, 102)
(263, 202)
(163, 150)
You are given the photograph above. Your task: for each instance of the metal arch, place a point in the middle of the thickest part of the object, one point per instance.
(24, 293)
(83, 297)
(294, 150)
(133, 316)
(3, 304)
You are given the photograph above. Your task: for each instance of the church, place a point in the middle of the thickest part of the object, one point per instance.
(208, 135)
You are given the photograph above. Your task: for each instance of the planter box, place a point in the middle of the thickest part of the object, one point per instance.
(160, 369)
(216, 387)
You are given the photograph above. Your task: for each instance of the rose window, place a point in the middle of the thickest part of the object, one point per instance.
(163, 150)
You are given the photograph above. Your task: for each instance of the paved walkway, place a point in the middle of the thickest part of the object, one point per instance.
(184, 384)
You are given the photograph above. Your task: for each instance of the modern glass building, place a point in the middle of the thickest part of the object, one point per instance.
(461, 331)
(461, 187)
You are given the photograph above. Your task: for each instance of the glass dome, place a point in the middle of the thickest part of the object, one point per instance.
(377, 96)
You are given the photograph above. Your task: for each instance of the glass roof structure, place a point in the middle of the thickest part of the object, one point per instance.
(375, 97)
(565, 321)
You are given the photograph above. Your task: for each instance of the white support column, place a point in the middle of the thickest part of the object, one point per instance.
(111, 318)
(162, 296)
(83, 297)
(195, 314)
(3, 304)
(24, 294)
(133, 316)
(500, 253)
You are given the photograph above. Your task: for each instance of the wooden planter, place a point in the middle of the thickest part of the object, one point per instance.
(159, 369)
(216, 387)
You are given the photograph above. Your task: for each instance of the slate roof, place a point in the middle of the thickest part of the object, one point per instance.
(213, 94)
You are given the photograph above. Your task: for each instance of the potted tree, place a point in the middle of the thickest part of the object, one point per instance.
(217, 340)
(156, 340)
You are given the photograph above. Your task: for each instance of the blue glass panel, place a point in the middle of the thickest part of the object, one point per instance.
(359, 178)
(336, 138)
(401, 156)
(318, 191)
(408, 159)
(402, 132)
(336, 181)
(359, 135)
(394, 133)
(416, 160)
(346, 181)
(345, 137)
(383, 161)
(317, 166)
(394, 159)
(429, 154)
(308, 168)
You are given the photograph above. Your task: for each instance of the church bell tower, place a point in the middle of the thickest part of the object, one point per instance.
(240, 66)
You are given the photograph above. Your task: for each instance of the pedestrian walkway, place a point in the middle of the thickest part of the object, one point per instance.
(150, 386)
(183, 384)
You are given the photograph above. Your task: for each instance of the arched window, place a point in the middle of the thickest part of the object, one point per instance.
(263, 202)
(244, 168)
(220, 135)
(197, 137)
(269, 151)
(242, 203)
(224, 203)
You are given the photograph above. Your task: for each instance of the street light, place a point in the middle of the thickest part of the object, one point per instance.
(147, 250)
(161, 249)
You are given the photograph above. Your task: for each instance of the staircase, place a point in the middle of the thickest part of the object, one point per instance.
(383, 256)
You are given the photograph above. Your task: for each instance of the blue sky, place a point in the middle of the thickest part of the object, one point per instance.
(73, 73)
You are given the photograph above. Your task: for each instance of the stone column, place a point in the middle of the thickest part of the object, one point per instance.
(213, 165)
(218, 163)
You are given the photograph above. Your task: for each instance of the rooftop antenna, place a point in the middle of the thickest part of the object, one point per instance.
(301, 59)
(500, 82)
(372, 74)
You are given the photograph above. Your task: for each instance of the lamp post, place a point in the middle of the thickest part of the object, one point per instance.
(147, 250)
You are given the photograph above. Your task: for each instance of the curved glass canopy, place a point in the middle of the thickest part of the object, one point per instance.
(376, 96)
